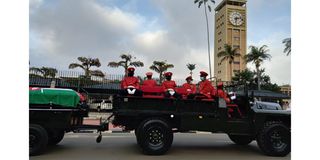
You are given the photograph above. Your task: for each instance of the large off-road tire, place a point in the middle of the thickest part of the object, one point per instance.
(274, 139)
(241, 139)
(154, 136)
(55, 137)
(38, 139)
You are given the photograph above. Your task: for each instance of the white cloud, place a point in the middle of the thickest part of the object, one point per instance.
(58, 35)
(279, 68)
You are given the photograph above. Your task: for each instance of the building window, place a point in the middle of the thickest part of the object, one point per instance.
(236, 46)
(219, 40)
(236, 62)
(236, 38)
(236, 71)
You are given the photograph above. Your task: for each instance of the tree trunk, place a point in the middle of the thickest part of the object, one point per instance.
(126, 70)
(230, 72)
(205, 10)
(160, 78)
(258, 74)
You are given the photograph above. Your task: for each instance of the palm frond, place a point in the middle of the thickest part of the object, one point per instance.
(136, 64)
(113, 64)
(98, 73)
(155, 68)
(200, 4)
(75, 65)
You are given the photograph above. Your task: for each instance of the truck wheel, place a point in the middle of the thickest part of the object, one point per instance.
(274, 139)
(240, 139)
(55, 138)
(155, 136)
(38, 139)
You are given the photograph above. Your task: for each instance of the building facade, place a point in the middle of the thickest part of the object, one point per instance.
(230, 28)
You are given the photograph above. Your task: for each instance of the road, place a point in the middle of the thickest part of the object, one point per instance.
(122, 146)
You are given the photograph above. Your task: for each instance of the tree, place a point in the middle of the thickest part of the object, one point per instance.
(86, 64)
(191, 67)
(244, 77)
(46, 72)
(205, 3)
(126, 63)
(228, 54)
(287, 44)
(160, 67)
(257, 55)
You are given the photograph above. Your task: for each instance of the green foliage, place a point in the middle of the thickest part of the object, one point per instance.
(287, 44)
(191, 67)
(160, 67)
(126, 62)
(250, 78)
(86, 64)
(46, 72)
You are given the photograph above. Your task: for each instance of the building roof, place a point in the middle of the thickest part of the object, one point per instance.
(221, 4)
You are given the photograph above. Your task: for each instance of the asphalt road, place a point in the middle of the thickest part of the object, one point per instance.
(122, 146)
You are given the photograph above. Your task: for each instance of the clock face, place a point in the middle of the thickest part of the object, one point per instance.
(236, 18)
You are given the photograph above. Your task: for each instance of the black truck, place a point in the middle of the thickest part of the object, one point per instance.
(155, 119)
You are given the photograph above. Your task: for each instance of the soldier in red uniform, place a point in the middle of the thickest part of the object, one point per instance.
(190, 87)
(169, 86)
(130, 84)
(205, 86)
(149, 82)
(221, 93)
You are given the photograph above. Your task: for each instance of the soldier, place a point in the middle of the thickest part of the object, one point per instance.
(130, 84)
(189, 87)
(205, 86)
(221, 93)
(169, 86)
(149, 82)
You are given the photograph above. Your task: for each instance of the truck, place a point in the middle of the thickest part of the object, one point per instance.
(154, 120)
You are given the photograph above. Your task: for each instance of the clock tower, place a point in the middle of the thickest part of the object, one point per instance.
(230, 28)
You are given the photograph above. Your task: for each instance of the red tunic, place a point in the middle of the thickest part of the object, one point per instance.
(191, 88)
(223, 95)
(150, 83)
(206, 88)
(130, 81)
(169, 84)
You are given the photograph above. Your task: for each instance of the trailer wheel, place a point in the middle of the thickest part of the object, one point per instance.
(155, 136)
(240, 139)
(56, 137)
(38, 139)
(274, 139)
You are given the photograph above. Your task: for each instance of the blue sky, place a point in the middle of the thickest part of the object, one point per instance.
(60, 31)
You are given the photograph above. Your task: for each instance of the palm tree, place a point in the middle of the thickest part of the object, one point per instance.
(86, 64)
(228, 54)
(126, 62)
(191, 67)
(287, 44)
(257, 55)
(46, 72)
(205, 3)
(160, 67)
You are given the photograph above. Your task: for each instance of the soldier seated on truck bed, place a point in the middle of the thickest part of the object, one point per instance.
(149, 81)
(169, 86)
(130, 84)
(221, 93)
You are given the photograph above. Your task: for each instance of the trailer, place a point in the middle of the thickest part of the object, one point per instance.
(154, 120)
(54, 112)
